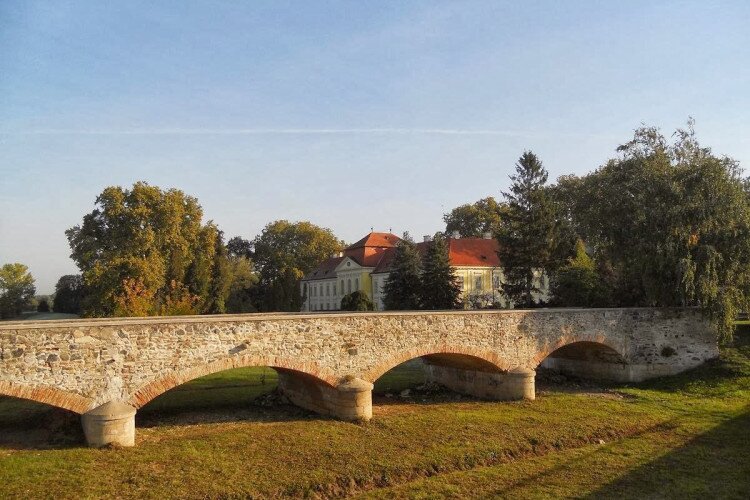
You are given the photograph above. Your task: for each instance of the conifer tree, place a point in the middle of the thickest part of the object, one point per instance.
(527, 235)
(440, 288)
(403, 287)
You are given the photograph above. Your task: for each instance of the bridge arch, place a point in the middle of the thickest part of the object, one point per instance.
(583, 346)
(587, 359)
(156, 388)
(48, 395)
(481, 359)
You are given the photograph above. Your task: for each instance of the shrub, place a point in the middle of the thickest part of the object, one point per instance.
(357, 301)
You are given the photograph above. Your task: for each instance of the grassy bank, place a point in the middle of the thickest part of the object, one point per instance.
(679, 437)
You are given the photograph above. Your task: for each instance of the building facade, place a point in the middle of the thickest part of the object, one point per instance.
(366, 265)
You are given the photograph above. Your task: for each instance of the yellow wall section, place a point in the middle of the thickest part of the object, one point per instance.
(365, 283)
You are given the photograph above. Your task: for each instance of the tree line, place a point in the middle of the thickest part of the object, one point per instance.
(145, 251)
(666, 222)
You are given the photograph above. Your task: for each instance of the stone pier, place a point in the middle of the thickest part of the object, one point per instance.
(112, 423)
(351, 400)
(498, 386)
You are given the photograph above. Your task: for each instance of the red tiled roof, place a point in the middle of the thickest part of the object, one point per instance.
(381, 240)
(368, 251)
(378, 250)
(474, 252)
(469, 252)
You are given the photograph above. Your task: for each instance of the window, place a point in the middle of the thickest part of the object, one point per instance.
(460, 281)
(356, 283)
(328, 289)
(349, 285)
(334, 289)
(478, 282)
(496, 281)
(342, 287)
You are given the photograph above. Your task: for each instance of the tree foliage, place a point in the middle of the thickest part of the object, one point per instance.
(403, 287)
(439, 285)
(527, 236)
(284, 253)
(16, 289)
(241, 287)
(579, 283)
(356, 301)
(139, 241)
(474, 219)
(69, 294)
(43, 306)
(672, 223)
(240, 247)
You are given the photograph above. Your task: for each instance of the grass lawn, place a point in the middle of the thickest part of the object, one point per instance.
(680, 437)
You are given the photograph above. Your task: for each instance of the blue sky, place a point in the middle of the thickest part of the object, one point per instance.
(348, 114)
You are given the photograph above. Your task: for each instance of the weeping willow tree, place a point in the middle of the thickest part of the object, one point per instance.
(671, 221)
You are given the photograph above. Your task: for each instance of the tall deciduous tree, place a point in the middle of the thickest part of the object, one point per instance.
(284, 253)
(527, 235)
(136, 242)
(403, 286)
(672, 220)
(243, 281)
(221, 279)
(475, 219)
(69, 294)
(240, 247)
(439, 285)
(16, 289)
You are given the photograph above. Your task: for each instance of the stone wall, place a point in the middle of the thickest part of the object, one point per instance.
(82, 364)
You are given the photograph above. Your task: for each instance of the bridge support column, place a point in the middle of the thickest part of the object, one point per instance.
(513, 385)
(351, 400)
(112, 423)
(354, 400)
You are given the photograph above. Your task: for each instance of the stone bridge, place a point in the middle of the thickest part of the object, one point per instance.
(105, 369)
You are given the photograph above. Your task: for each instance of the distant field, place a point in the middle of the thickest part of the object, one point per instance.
(36, 316)
(222, 436)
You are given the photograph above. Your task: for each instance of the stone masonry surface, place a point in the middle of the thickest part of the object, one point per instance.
(82, 364)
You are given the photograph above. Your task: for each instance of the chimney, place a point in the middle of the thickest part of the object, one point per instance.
(455, 235)
(487, 235)
(427, 238)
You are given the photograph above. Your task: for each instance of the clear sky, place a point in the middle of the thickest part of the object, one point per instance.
(349, 114)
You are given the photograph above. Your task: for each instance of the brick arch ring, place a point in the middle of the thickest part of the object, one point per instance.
(48, 395)
(564, 341)
(155, 388)
(394, 360)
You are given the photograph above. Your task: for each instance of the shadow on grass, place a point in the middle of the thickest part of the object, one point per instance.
(31, 425)
(715, 464)
(267, 408)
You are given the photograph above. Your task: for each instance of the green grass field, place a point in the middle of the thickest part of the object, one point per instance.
(680, 437)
